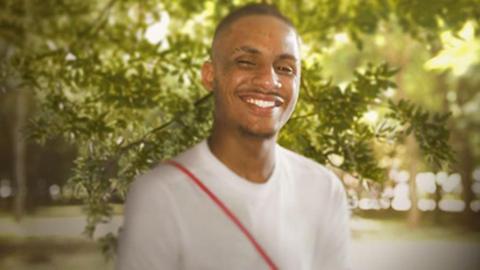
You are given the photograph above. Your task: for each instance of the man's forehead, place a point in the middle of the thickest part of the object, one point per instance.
(254, 32)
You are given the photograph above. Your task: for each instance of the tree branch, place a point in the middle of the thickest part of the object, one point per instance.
(114, 159)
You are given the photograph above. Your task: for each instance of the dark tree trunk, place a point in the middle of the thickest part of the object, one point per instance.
(19, 154)
(414, 215)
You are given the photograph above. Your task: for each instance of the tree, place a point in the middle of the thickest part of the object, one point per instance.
(112, 80)
(429, 75)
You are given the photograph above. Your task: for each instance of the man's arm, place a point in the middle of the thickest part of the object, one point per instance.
(149, 238)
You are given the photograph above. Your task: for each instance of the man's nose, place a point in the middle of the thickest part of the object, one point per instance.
(267, 79)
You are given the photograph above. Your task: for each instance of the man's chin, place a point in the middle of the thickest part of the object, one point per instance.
(258, 134)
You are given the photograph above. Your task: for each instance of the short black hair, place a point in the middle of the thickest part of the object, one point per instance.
(248, 10)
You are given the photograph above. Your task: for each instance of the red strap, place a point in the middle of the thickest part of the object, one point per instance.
(227, 212)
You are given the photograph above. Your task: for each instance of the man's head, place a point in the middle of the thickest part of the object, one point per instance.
(254, 71)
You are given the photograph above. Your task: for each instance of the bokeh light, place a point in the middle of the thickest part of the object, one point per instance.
(426, 182)
(451, 205)
(426, 204)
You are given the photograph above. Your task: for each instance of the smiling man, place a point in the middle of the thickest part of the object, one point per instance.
(238, 200)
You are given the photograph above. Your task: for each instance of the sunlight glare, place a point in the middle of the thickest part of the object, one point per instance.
(157, 31)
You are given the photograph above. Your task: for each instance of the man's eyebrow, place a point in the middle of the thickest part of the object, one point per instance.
(246, 49)
(252, 50)
(288, 57)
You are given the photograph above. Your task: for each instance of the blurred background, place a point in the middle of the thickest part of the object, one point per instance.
(418, 216)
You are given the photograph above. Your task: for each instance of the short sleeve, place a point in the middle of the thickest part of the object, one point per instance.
(149, 238)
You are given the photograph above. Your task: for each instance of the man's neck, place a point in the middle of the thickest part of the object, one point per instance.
(249, 157)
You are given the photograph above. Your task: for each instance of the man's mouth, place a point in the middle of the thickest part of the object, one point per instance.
(262, 101)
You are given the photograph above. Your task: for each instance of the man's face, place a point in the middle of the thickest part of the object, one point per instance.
(255, 76)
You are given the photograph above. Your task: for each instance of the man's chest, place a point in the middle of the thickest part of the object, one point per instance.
(282, 227)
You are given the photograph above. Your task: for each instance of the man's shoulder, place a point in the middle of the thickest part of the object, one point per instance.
(310, 170)
(164, 175)
(302, 163)
(155, 179)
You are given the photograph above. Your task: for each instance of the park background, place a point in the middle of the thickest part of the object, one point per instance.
(92, 93)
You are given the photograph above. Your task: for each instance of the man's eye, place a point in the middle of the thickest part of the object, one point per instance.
(285, 69)
(245, 63)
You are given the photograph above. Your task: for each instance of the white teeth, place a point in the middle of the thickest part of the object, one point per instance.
(261, 103)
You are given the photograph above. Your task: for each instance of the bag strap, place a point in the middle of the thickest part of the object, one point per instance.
(227, 212)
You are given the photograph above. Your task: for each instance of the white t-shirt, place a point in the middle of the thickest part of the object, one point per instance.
(299, 217)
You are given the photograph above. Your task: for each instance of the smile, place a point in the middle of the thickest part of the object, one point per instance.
(260, 103)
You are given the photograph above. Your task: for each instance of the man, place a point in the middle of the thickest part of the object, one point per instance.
(238, 200)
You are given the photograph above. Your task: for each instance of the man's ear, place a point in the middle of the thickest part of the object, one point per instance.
(208, 75)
